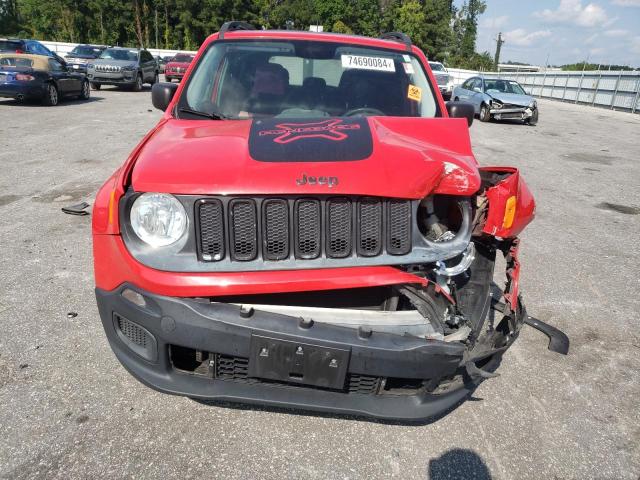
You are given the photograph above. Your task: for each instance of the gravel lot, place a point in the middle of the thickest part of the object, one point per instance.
(69, 410)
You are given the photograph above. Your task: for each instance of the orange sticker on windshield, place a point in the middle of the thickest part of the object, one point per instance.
(414, 93)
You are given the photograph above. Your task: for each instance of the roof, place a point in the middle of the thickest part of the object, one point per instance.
(39, 62)
(317, 36)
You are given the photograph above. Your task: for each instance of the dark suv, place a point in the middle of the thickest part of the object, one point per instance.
(78, 58)
(129, 67)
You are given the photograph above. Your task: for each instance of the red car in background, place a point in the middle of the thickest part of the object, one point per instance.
(177, 66)
(307, 226)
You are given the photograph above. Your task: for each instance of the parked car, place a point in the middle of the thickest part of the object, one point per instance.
(38, 77)
(286, 235)
(124, 67)
(78, 58)
(498, 98)
(161, 63)
(177, 67)
(16, 45)
(443, 79)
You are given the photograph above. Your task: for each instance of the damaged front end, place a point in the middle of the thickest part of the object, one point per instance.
(410, 345)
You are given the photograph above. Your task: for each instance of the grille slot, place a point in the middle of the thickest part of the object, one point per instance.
(276, 229)
(244, 225)
(211, 230)
(308, 228)
(398, 227)
(339, 231)
(370, 226)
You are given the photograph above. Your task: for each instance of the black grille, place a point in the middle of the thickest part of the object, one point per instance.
(243, 229)
(132, 331)
(339, 232)
(276, 229)
(370, 221)
(308, 231)
(212, 236)
(398, 227)
(236, 369)
(363, 384)
(231, 368)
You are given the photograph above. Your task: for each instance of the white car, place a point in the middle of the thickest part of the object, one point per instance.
(444, 80)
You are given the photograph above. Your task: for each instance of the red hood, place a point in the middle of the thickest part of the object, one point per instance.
(411, 157)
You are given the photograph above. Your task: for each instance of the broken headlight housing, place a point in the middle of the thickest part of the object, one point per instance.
(158, 219)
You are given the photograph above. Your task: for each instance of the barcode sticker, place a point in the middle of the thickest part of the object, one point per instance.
(368, 63)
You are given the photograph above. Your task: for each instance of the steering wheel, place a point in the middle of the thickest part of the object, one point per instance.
(364, 111)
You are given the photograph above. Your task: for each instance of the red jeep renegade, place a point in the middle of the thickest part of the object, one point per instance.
(307, 227)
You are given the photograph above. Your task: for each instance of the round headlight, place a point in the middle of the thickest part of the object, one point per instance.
(159, 219)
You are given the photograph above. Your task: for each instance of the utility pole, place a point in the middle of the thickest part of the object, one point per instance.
(499, 42)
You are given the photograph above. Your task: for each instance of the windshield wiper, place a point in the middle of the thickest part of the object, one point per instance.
(212, 116)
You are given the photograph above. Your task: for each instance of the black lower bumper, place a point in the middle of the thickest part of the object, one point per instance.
(165, 322)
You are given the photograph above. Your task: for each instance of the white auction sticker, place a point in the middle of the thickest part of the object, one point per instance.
(408, 68)
(368, 63)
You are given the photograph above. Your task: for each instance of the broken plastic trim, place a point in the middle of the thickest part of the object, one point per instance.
(468, 256)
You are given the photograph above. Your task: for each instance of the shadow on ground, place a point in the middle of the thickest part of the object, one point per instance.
(458, 464)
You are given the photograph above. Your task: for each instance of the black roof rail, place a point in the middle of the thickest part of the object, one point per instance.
(233, 26)
(397, 37)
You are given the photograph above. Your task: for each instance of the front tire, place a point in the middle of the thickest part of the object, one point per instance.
(484, 115)
(51, 97)
(85, 93)
(138, 85)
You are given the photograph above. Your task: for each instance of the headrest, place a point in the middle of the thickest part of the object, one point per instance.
(271, 79)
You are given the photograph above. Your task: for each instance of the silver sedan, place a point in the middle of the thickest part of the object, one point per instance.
(498, 98)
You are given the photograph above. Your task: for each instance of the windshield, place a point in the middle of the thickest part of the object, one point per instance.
(503, 86)
(85, 50)
(307, 79)
(182, 58)
(436, 67)
(120, 54)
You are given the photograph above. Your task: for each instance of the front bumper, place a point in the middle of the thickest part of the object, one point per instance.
(521, 113)
(228, 331)
(104, 78)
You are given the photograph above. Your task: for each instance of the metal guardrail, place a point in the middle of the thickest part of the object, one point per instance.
(616, 90)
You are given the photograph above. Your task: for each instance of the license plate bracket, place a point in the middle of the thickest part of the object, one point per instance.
(297, 362)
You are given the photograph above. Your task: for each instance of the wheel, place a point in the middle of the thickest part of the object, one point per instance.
(533, 119)
(85, 93)
(138, 85)
(156, 78)
(457, 99)
(51, 96)
(484, 116)
(95, 86)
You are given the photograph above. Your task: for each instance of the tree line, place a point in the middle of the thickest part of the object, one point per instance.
(445, 32)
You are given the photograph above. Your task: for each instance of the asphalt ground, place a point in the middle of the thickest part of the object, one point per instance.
(69, 410)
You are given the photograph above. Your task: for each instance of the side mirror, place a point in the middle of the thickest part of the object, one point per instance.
(461, 110)
(477, 89)
(162, 94)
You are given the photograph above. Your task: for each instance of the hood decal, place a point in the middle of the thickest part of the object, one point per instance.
(310, 140)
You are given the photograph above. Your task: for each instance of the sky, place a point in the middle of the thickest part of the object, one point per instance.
(567, 31)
